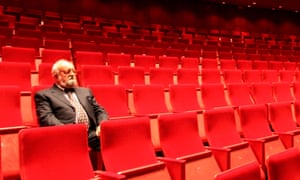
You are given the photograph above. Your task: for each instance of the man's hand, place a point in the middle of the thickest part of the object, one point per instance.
(98, 131)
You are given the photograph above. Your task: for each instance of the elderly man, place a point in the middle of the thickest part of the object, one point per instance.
(66, 103)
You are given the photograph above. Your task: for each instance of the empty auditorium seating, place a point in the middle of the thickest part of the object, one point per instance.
(262, 92)
(239, 94)
(276, 65)
(282, 91)
(44, 74)
(116, 59)
(221, 132)
(188, 76)
(282, 120)
(252, 76)
(88, 58)
(146, 61)
(244, 64)
(164, 76)
(95, 75)
(284, 165)
(184, 97)
(19, 54)
(38, 161)
(110, 97)
(56, 44)
(270, 75)
(52, 55)
(149, 100)
(85, 46)
(128, 76)
(256, 117)
(210, 76)
(287, 75)
(199, 161)
(190, 62)
(16, 74)
(213, 95)
(248, 171)
(259, 64)
(232, 76)
(135, 158)
(207, 63)
(227, 64)
(168, 62)
(296, 90)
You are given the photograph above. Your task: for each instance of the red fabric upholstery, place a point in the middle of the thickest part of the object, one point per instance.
(255, 117)
(239, 94)
(270, 75)
(162, 76)
(179, 137)
(221, 132)
(146, 61)
(190, 62)
(128, 76)
(117, 59)
(249, 171)
(188, 76)
(262, 92)
(254, 75)
(284, 165)
(45, 74)
(287, 75)
(110, 97)
(282, 91)
(232, 76)
(20, 55)
(210, 76)
(184, 97)
(127, 149)
(168, 62)
(281, 118)
(244, 64)
(213, 95)
(149, 99)
(89, 58)
(19, 75)
(209, 63)
(96, 75)
(57, 152)
(52, 55)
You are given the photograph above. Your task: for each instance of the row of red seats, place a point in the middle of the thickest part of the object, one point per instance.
(217, 137)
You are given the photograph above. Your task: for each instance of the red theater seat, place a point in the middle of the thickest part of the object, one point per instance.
(19, 54)
(38, 161)
(255, 117)
(184, 97)
(282, 120)
(127, 149)
(110, 97)
(52, 55)
(163, 76)
(284, 165)
(222, 134)
(96, 75)
(199, 160)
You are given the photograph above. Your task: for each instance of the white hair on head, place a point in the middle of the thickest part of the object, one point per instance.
(58, 64)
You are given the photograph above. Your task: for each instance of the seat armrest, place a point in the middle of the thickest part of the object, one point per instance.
(176, 167)
(107, 175)
(222, 156)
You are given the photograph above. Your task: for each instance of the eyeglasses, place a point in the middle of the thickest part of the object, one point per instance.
(68, 71)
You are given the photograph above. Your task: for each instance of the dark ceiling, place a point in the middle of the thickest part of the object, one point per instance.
(285, 5)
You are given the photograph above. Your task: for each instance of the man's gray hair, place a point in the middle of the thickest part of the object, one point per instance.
(58, 64)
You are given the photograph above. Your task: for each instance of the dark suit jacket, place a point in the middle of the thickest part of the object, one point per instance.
(53, 108)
